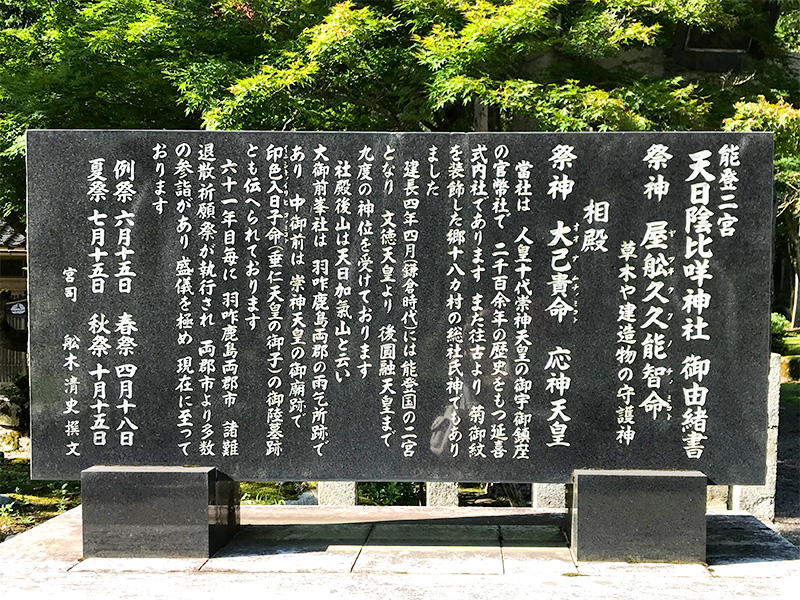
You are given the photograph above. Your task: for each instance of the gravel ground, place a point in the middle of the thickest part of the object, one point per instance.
(787, 495)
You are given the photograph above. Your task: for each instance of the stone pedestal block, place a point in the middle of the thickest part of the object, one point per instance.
(717, 497)
(549, 495)
(441, 493)
(157, 511)
(337, 493)
(638, 516)
(759, 500)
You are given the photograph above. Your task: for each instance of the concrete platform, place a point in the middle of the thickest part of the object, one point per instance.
(400, 553)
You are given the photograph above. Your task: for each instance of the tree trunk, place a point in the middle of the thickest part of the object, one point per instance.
(793, 233)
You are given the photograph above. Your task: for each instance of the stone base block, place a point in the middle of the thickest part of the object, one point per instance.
(638, 516)
(157, 511)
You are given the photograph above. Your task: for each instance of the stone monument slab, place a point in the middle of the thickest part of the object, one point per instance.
(400, 306)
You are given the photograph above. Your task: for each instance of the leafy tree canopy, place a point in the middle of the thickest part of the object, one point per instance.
(784, 120)
(548, 65)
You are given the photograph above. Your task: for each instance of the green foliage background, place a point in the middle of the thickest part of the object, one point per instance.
(416, 65)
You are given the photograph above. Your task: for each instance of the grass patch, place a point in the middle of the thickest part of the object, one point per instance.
(790, 392)
(34, 501)
(792, 344)
(271, 492)
(396, 493)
